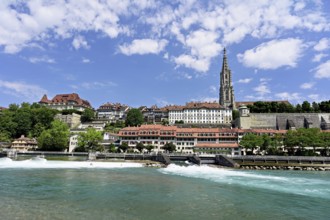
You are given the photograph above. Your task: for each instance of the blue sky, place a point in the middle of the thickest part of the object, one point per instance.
(147, 52)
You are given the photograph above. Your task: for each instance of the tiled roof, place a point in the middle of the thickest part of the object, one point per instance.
(26, 140)
(65, 98)
(114, 106)
(193, 105)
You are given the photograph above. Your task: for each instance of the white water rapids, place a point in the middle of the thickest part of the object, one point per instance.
(41, 163)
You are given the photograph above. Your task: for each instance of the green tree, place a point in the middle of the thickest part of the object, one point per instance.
(315, 107)
(165, 122)
(90, 140)
(56, 138)
(112, 148)
(43, 116)
(134, 117)
(298, 108)
(149, 147)
(235, 114)
(13, 107)
(251, 141)
(325, 143)
(170, 147)
(266, 142)
(88, 115)
(4, 137)
(123, 147)
(23, 118)
(7, 123)
(306, 106)
(290, 141)
(139, 146)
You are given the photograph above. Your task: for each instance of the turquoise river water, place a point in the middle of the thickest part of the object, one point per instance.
(47, 189)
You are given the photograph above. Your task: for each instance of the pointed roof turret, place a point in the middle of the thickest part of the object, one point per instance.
(44, 99)
(224, 63)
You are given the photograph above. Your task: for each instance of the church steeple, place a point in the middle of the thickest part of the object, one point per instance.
(226, 93)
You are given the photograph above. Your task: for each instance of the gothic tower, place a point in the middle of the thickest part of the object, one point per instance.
(226, 93)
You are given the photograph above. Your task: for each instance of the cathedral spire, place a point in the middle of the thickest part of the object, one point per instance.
(226, 93)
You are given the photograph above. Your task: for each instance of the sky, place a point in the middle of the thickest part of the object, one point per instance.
(146, 52)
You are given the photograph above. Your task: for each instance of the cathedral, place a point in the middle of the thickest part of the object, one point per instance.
(226, 93)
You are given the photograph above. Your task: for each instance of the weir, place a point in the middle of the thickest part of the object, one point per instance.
(229, 161)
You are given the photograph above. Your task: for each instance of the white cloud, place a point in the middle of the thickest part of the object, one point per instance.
(203, 47)
(273, 54)
(97, 85)
(43, 59)
(323, 70)
(262, 89)
(319, 57)
(197, 29)
(289, 96)
(186, 76)
(307, 85)
(31, 93)
(143, 46)
(201, 65)
(246, 80)
(86, 60)
(80, 42)
(314, 97)
(203, 44)
(323, 44)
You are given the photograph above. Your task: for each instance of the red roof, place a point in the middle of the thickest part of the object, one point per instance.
(65, 98)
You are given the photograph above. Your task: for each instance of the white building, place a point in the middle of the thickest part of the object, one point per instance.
(200, 113)
(186, 140)
(112, 111)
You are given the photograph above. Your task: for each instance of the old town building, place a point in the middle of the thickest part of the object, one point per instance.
(112, 111)
(191, 140)
(24, 144)
(66, 101)
(199, 113)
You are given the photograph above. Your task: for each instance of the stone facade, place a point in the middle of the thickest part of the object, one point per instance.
(226, 93)
(72, 120)
(281, 121)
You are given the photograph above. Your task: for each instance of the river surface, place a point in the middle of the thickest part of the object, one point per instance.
(44, 189)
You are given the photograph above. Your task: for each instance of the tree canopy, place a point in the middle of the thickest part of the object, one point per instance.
(134, 117)
(90, 140)
(282, 107)
(56, 138)
(170, 147)
(28, 120)
(88, 115)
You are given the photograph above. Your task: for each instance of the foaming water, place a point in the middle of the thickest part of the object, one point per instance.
(42, 163)
(284, 182)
